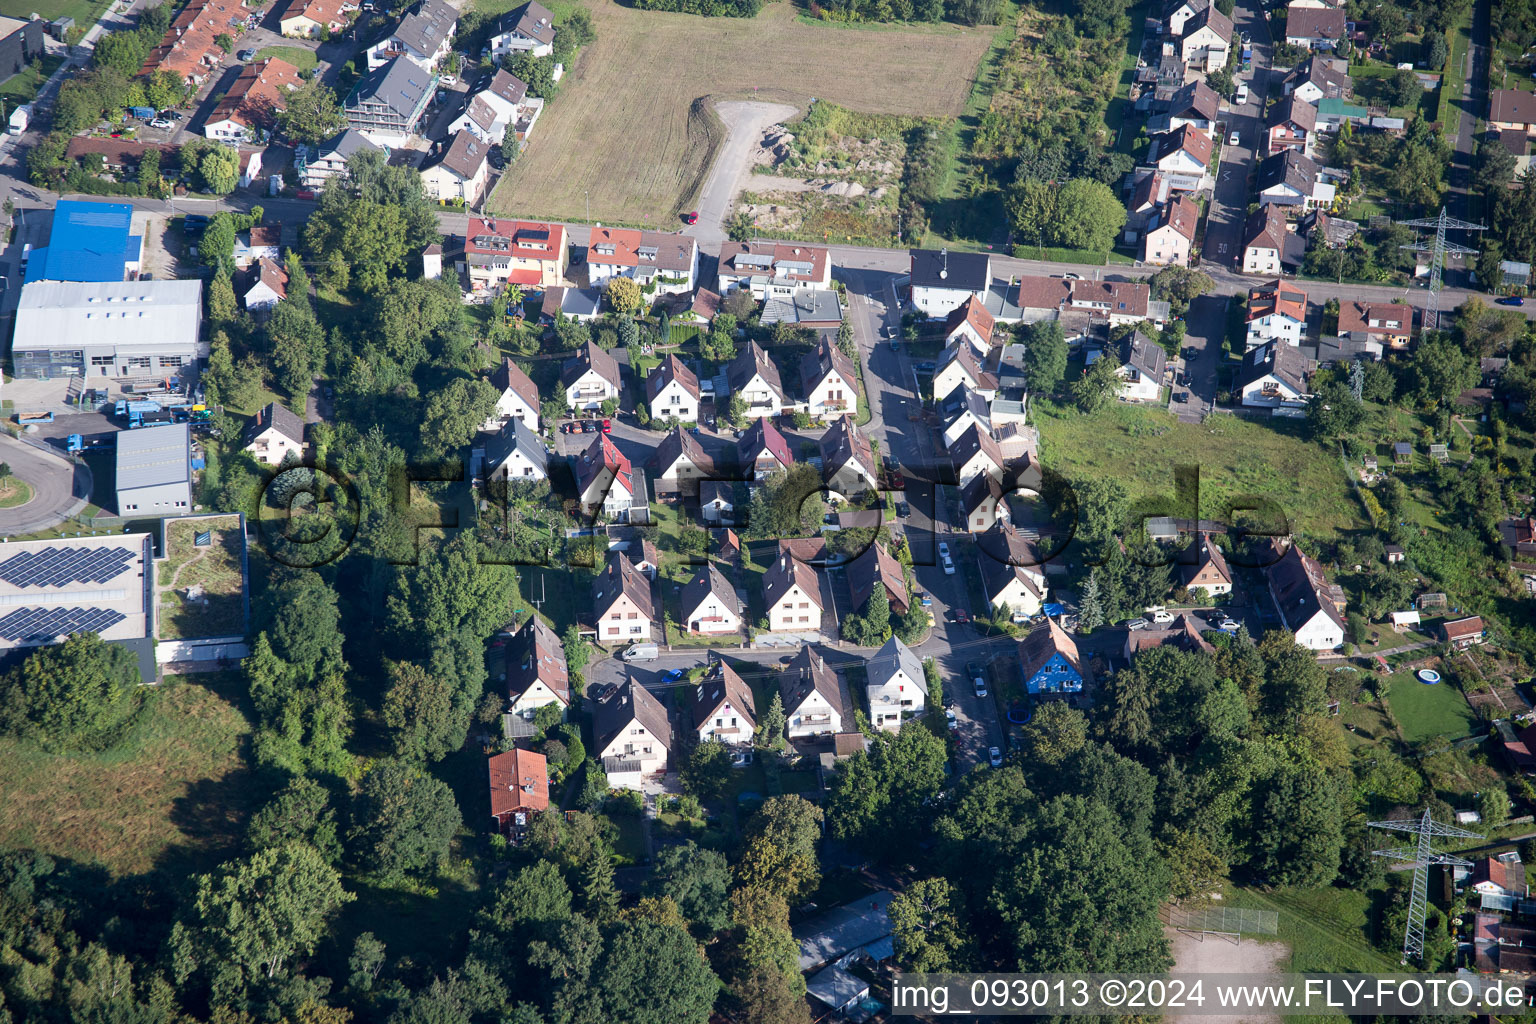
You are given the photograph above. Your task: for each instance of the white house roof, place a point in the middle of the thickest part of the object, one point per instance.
(148, 314)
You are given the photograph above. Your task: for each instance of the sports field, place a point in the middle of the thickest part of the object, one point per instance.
(631, 124)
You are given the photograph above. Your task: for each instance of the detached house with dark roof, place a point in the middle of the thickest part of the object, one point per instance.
(672, 392)
(680, 463)
(1512, 110)
(1293, 180)
(723, 708)
(1292, 125)
(1012, 572)
(847, 460)
(1206, 40)
(605, 481)
(1320, 78)
(458, 169)
(503, 102)
(1207, 570)
(792, 596)
(329, 159)
(959, 368)
(515, 453)
(537, 674)
(388, 104)
(895, 685)
(517, 397)
(1266, 244)
(1310, 606)
(633, 734)
(621, 603)
(1314, 28)
(1195, 104)
(812, 696)
(1141, 363)
(590, 378)
(526, 29)
(1182, 157)
(830, 381)
(1049, 661)
(423, 37)
(941, 280)
(1273, 376)
(984, 504)
(755, 377)
(877, 566)
(274, 434)
(709, 604)
(977, 453)
(762, 450)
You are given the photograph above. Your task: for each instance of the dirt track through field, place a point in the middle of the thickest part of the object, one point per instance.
(629, 131)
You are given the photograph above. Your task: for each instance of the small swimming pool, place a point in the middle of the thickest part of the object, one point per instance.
(1428, 676)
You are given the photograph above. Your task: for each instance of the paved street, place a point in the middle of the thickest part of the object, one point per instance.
(1229, 205)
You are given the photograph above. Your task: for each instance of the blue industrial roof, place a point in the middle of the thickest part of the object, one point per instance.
(89, 242)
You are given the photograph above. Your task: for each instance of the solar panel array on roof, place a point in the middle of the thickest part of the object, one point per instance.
(44, 624)
(58, 567)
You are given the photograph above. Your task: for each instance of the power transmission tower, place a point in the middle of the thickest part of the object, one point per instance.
(1421, 856)
(1437, 251)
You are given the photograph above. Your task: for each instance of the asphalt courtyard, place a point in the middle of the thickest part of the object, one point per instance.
(59, 488)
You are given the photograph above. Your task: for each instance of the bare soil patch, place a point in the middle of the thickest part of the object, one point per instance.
(1220, 955)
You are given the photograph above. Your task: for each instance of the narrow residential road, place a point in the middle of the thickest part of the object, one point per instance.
(744, 122)
(1228, 212)
(1473, 105)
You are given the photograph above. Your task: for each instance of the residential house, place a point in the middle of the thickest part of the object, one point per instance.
(526, 29)
(537, 674)
(1181, 633)
(1314, 28)
(1519, 536)
(763, 450)
(1049, 661)
(458, 169)
(717, 502)
(1178, 14)
(190, 48)
(1292, 124)
(1503, 875)
(590, 378)
(1012, 572)
(423, 37)
(878, 566)
(1183, 157)
(962, 409)
(1273, 376)
(1333, 352)
(1207, 570)
(634, 735)
(943, 280)
(260, 242)
(605, 481)
(1463, 633)
(648, 561)
(579, 304)
(812, 696)
(329, 159)
(1333, 114)
(502, 103)
(771, 270)
(895, 685)
(983, 502)
(263, 285)
(971, 321)
(957, 368)
(1118, 302)
(672, 392)
(1512, 110)
(517, 397)
(830, 381)
(253, 101)
(709, 604)
(1195, 105)
(723, 708)
(274, 435)
(529, 254)
(1265, 241)
(1276, 312)
(1142, 365)
(1321, 229)
(669, 262)
(311, 19)
(1206, 42)
(1293, 180)
(1319, 78)
(1170, 234)
(680, 463)
(515, 452)
(621, 603)
(754, 377)
(519, 781)
(1309, 606)
(792, 596)
(1390, 323)
(847, 461)
(388, 104)
(977, 454)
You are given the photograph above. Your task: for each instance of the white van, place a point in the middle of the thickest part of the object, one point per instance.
(641, 652)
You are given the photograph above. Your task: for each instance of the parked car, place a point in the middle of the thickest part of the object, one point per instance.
(1136, 624)
(607, 425)
(673, 676)
(995, 756)
(1229, 625)
(944, 559)
(304, 193)
(978, 673)
(162, 122)
(1162, 615)
(246, 55)
(903, 510)
(954, 723)
(1232, 139)
(1510, 300)
(641, 652)
(691, 217)
(1242, 96)
(962, 616)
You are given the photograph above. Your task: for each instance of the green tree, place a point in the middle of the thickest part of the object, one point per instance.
(1097, 387)
(697, 880)
(707, 772)
(403, 820)
(740, 227)
(367, 959)
(1297, 834)
(79, 694)
(217, 246)
(297, 343)
(225, 42)
(246, 921)
(652, 974)
(1493, 806)
(510, 146)
(420, 709)
(1333, 411)
(770, 731)
(779, 849)
(1090, 612)
(1045, 355)
(454, 414)
(299, 812)
(624, 295)
(1440, 371)
(930, 927)
(456, 590)
(312, 114)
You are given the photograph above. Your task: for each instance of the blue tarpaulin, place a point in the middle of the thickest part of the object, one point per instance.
(1052, 609)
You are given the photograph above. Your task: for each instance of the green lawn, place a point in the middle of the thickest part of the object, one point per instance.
(1140, 447)
(22, 87)
(1425, 711)
(300, 57)
(85, 12)
(1327, 929)
(1455, 77)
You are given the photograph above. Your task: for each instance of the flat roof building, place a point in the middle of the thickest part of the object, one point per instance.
(154, 471)
(107, 329)
(51, 588)
(88, 242)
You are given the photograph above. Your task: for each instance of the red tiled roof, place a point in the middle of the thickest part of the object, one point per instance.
(975, 314)
(1355, 315)
(1459, 629)
(529, 240)
(258, 95)
(519, 782)
(1279, 297)
(188, 46)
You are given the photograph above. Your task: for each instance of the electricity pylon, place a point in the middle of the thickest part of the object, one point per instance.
(1441, 224)
(1421, 856)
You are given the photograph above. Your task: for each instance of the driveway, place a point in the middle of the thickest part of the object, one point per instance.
(744, 124)
(60, 488)
(1206, 325)
(1229, 204)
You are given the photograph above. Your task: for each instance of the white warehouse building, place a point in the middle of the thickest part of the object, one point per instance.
(108, 329)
